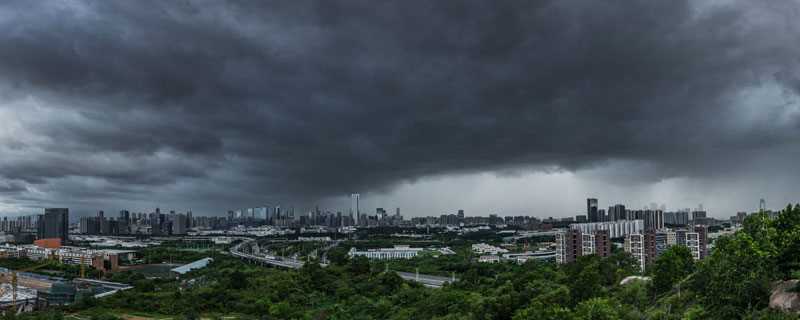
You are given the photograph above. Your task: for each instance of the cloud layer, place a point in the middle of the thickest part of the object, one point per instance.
(213, 104)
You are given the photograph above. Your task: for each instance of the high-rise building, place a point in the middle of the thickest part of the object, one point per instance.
(699, 217)
(54, 224)
(573, 243)
(616, 229)
(617, 212)
(702, 238)
(635, 246)
(89, 225)
(653, 220)
(591, 210)
(682, 217)
(354, 206)
(179, 224)
(568, 246)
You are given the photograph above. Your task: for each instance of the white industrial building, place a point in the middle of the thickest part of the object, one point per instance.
(483, 248)
(397, 252)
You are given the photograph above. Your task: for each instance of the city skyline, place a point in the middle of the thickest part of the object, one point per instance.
(513, 108)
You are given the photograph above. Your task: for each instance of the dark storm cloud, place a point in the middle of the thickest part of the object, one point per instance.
(305, 99)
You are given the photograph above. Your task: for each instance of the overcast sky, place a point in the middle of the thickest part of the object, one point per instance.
(508, 107)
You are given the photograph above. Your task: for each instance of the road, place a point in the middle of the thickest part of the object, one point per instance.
(426, 280)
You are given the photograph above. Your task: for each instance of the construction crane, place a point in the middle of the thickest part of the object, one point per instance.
(14, 280)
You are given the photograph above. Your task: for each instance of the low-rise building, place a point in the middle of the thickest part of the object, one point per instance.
(483, 248)
(397, 252)
(103, 260)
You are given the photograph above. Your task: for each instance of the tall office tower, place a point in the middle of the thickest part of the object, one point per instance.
(591, 210)
(179, 224)
(762, 205)
(354, 209)
(461, 214)
(54, 224)
(89, 225)
(603, 215)
(397, 212)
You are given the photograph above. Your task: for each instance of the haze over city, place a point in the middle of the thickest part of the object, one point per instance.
(514, 108)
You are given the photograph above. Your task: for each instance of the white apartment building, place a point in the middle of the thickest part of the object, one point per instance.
(616, 229)
(672, 238)
(693, 243)
(635, 246)
(483, 248)
(561, 244)
(587, 244)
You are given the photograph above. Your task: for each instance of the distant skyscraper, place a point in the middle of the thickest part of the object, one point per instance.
(591, 210)
(698, 216)
(54, 224)
(762, 205)
(653, 220)
(617, 212)
(354, 206)
(682, 217)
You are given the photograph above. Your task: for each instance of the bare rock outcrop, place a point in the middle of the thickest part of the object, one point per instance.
(783, 297)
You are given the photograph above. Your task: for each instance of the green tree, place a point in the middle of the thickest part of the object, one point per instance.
(635, 294)
(541, 311)
(359, 265)
(598, 309)
(672, 266)
(736, 277)
(787, 240)
(338, 256)
(585, 279)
